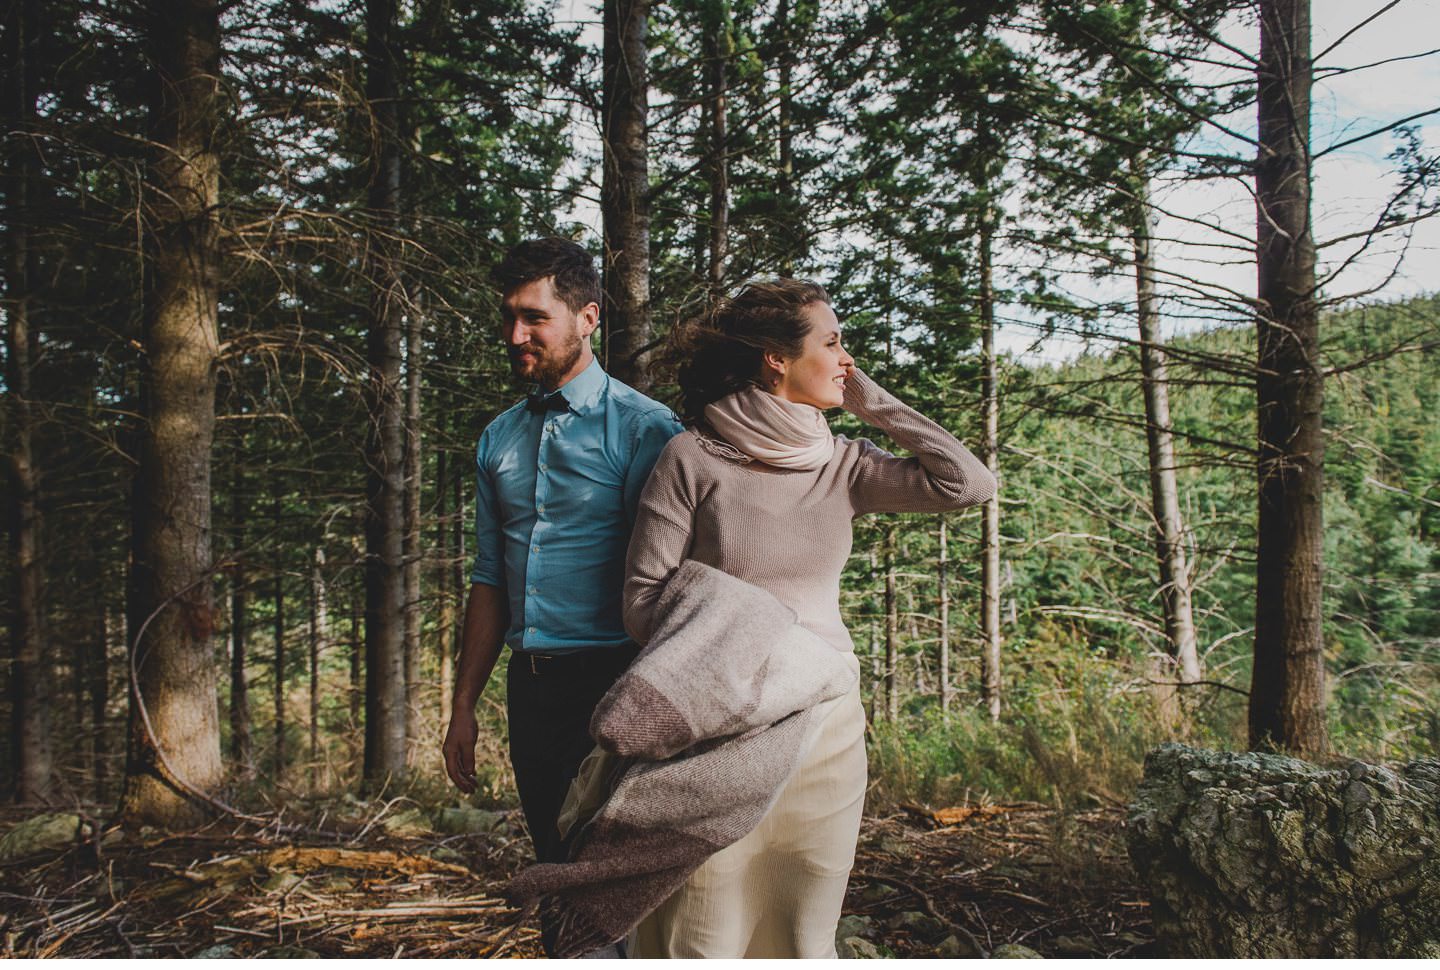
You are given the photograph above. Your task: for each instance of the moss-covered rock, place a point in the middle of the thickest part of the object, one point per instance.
(1257, 855)
(35, 836)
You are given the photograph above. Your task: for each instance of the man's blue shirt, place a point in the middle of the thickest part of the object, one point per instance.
(556, 497)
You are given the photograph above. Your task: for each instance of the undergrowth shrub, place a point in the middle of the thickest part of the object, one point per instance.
(1070, 742)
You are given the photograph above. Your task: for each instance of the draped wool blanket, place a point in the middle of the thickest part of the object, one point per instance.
(710, 720)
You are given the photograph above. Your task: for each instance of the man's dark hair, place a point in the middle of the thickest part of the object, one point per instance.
(569, 265)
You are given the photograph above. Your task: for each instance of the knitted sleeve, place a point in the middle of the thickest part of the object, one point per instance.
(943, 475)
(661, 540)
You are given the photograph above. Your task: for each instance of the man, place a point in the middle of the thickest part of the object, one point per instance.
(558, 484)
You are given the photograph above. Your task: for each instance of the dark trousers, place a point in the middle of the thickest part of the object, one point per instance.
(550, 700)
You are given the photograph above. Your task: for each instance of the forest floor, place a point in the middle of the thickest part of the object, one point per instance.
(951, 882)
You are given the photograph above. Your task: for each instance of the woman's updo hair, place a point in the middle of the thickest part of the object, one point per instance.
(722, 350)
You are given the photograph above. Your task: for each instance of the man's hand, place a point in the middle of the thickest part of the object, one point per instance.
(459, 748)
(486, 614)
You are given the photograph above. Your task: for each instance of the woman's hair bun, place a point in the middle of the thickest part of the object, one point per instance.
(722, 350)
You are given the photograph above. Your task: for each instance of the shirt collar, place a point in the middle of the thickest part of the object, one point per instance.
(583, 390)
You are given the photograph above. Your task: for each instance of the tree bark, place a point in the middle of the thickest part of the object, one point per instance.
(785, 134)
(411, 545)
(385, 695)
(989, 453)
(242, 748)
(892, 630)
(30, 672)
(357, 690)
(1287, 692)
(1160, 440)
(171, 604)
(319, 640)
(717, 59)
(278, 773)
(625, 192)
(944, 583)
(99, 690)
(446, 591)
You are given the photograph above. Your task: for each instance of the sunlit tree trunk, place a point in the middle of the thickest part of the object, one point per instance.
(892, 631)
(989, 453)
(171, 609)
(319, 641)
(944, 583)
(1164, 490)
(1287, 690)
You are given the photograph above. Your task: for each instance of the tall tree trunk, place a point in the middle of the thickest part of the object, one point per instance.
(625, 192)
(411, 545)
(446, 592)
(944, 583)
(279, 631)
(30, 664)
(1287, 691)
(785, 135)
(717, 60)
(99, 690)
(989, 453)
(242, 748)
(385, 695)
(319, 640)
(171, 604)
(1160, 439)
(892, 630)
(357, 714)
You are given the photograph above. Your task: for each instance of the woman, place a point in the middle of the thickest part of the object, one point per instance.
(759, 488)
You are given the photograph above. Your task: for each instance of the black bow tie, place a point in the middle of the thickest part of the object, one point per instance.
(539, 402)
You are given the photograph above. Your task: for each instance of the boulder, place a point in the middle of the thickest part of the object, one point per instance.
(858, 948)
(38, 835)
(1257, 855)
(468, 821)
(954, 948)
(920, 925)
(1014, 951)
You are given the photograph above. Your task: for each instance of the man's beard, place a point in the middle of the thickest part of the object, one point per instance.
(550, 365)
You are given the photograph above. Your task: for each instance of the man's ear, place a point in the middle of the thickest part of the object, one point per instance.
(589, 318)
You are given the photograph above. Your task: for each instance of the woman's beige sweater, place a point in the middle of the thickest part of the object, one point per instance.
(789, 531)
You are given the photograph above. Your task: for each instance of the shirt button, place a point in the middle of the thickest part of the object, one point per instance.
(535, 548)
(530, 589)
(540, 507)
(531, 631)
(542, 466)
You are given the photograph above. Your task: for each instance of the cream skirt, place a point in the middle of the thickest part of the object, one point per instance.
(778, 891)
